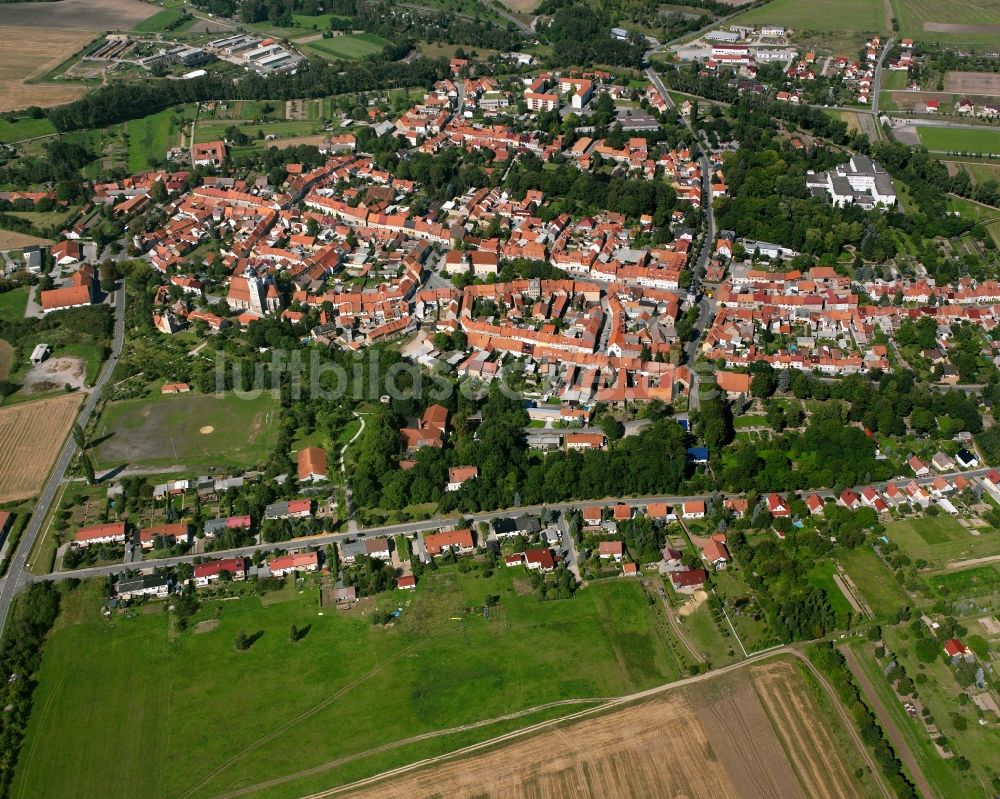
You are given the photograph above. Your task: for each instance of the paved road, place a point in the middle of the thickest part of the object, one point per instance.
(413, 528)
(877, 82)
(705, 306)
(899, 745)
(16, 577)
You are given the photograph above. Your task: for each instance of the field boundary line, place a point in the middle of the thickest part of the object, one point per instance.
(340, 761)
(618, 702)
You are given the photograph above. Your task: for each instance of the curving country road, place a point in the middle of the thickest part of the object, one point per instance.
(16, 577)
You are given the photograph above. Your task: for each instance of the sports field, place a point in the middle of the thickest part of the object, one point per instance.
(189, 430)
(941, 539)
(963, 140)
(324, 702)
(351, 46)
(949, 21)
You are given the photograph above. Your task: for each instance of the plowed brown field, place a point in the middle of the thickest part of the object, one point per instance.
(812, 750)
(710, 741)
(31, 435)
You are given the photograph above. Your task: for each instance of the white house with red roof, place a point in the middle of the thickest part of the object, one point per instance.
(815, 504)
(209, 572)
(777, 506)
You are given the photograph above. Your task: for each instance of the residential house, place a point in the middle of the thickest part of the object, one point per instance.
(715, 553)
(614, 550)
(777, 506)
(689, 581)
(312, 465)
(111, 533)
(458, 541)
(457, 475)
(293, 562)
(693, 509)
(210, 571)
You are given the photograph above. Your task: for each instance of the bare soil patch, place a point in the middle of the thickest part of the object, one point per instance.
(990, 625)
(947, 27)
(206, 429)
(80, 15)
(981, 83)
(692, 604)
(54, 373)
(292, 141)
(206, 626)
(31, 436)
(27, 54)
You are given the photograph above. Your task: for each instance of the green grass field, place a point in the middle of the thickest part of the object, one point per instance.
(830, 24)
(13, 303)
(160, 21)
(960, 140)
(942, 776)
(122, 700)
(351, 46)
(967, 582)
(912, 14)
(874, 580)
(941, 539)
(981, 172)
(149, 138)
(821, 576)
(189, 429)
(25, 128)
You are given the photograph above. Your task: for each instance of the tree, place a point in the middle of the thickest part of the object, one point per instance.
(243, 642)
(88, 469)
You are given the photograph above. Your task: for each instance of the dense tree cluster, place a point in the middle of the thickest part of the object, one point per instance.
(583, 192)
(828, 660)
(32, 616)
(119, 101)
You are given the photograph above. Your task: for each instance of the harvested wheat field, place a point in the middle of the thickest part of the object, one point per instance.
(810, 746)
(713, 740)
(27, 54)
(80, 15)
(32, 434)
(11, 239)
(976, 83)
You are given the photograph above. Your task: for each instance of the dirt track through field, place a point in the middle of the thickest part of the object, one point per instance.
(31, 436)
(712, 739)
(899, 745)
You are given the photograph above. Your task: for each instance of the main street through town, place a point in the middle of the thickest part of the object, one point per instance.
(417, 528)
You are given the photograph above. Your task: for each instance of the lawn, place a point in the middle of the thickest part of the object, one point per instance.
(913, 14)
(193, 430)
(821, 576)
(165, 20)
(874, 580)
(707, 637)
(149, 138)
(25, 128)
(351, 46)
(980, 212)
(13, 303)
(960, 140)
(967, 582)
(151, 691)
(941, 539)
